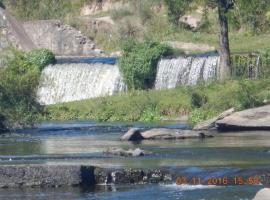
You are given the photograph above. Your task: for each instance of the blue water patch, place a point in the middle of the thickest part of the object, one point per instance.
(89, 60)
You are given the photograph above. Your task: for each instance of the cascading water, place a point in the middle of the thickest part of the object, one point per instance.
(185, 71)
(77, 81)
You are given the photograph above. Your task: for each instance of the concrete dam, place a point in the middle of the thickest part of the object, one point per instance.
(83, 78)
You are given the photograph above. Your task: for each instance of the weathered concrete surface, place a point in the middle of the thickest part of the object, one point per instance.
(88, 176)
(14, 32)
(60, 38)
(209, 124)
(131, 176)
(45, 176)
(251, 119)
(69, 175)
(263, 194)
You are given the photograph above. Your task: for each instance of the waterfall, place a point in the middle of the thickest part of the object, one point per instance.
(77, 81)
(73, 80)
(185, 71)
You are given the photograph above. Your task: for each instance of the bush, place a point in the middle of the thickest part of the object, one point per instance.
(40, 58)
(138, 63)
(197, 99)
(18, 84)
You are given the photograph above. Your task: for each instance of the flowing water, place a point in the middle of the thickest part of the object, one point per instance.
(77, 81)
(84, 143)
(74, 79)
(186, 71)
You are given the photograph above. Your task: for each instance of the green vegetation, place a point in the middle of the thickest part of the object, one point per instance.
(199, 102)
(149, 19)
(19, 80)
(40, 58)
(138, 63)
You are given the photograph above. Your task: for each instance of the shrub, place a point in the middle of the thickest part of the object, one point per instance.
(40, 58)
(247, 95)
(197, 99)
(139, 63)
(18, 83)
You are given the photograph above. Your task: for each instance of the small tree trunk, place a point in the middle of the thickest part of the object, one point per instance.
(224, 51)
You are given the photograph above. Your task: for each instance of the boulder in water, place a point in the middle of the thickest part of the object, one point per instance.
(169, 134)
(122, 152)
(209, 124)
(263, 194)
(251, 119)
(134, 134)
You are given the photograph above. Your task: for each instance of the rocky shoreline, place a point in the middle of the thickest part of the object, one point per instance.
(246, 120)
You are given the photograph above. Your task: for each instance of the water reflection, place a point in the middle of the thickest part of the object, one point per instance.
(84, 143)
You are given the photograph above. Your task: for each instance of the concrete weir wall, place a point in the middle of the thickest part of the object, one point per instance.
(46, 176)
(18, 176)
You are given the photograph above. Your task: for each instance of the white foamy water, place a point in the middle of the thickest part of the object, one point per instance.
(77, 81)
(186, 71)
(191, 187)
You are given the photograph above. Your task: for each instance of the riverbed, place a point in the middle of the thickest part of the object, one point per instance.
(83, 142)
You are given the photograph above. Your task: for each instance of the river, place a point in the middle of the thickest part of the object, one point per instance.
(83, 142)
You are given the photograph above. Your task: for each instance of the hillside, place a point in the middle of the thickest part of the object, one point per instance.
(110, 22)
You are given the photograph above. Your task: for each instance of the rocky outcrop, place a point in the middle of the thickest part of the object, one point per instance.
(251, 119)
(60, 38)
(127, 153)
(163, 134)
(211, 123)
(263, 194)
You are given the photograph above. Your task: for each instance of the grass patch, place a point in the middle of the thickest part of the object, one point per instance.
(155, 105)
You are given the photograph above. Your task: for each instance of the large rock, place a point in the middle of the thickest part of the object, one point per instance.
(263, 194)
(131, 152)
(163, 133)
(209, 124)
(133, 134)
(251, 119)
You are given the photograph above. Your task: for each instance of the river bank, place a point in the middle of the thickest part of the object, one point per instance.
(199, 103)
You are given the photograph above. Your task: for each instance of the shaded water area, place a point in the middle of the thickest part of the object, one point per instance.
(84, 142)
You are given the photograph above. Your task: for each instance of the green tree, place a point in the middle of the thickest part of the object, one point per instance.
(252, 14)
(176, 9)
